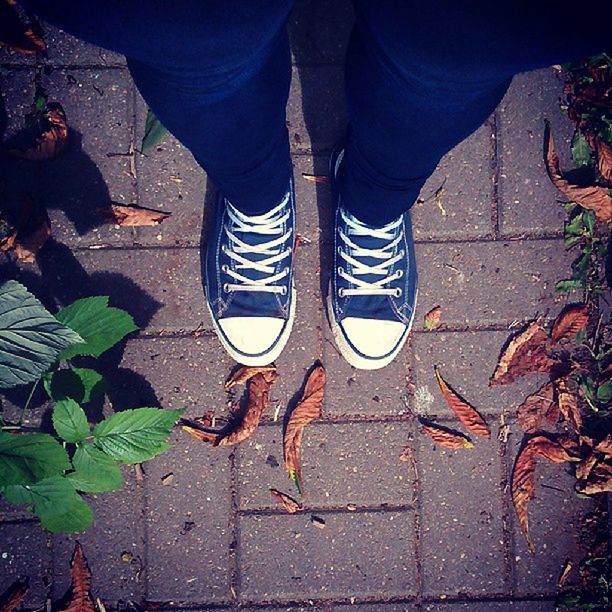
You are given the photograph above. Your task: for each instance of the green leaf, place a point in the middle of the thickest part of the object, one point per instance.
(26, 458)
(565, 286)
(604, 392)
(75, 519)
(133, 436)
(581, 151)
(589, 222)
(154, 132)
(580, 267)
(100, 326)
(95, 471)
(70, 421)
(30, 337)
(79, 384)
(575, 226)
(49, 496)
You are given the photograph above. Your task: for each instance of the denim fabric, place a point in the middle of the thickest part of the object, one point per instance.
(421, 76)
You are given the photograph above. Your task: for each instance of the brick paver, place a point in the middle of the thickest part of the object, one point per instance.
(199, 530)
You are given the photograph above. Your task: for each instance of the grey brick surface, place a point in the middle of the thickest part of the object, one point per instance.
(466, 361)
(286, 556)
(529, 202)
(461, 519)
(316, 117)
(99, 110)
(464, 205)
(173, 373)
(493, 606)
(554, 524)
(25, 552)
(490, 283)
(348, 465)
(114, 545)
(372, 607)
(188, 523)
(319, 31)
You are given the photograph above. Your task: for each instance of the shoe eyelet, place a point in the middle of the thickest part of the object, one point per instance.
(339, 249)
(398, 292)
(225, 287)
(224, 268)
(340, 270)
(224, 249)
(341, 292)
(283, 290)
(399, 273)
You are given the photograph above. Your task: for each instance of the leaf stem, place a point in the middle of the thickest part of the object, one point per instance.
(27, 404)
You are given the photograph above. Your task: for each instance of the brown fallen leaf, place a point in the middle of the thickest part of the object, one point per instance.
(307, 410)
(132, 215)
(523, 486)
(407, 454)
(526, 353)
(585, 466)
(592, 197)
(603, 155)
(51, 138)
(570, 321)
(201, 435)
(432, 318)
(316, 178)
(449, 438)
(599, 479)
(12, 598)
(568, 405)
(15, 35)
(286, 501)
(245, 373)
(80, 589)
(605, 446)
(466, 413)
(537, 407)
(27, 246)
(565, 572)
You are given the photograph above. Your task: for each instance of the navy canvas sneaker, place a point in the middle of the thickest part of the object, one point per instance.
(373, 288)
(249, 280)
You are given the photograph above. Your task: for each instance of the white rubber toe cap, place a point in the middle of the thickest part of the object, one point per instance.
(372, 337)
(252, 335)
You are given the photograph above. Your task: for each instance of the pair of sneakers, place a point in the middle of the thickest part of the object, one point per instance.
(250, 290)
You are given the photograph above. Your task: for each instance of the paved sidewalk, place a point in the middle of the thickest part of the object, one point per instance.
(443, 537)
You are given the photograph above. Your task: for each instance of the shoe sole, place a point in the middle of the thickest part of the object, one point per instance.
(356, 359)
(267, 357)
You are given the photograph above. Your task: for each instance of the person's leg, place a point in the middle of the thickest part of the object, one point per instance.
(216, 74)
(421, 76)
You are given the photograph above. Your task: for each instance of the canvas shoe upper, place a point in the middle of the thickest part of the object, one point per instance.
(372, 295)
(249, 280)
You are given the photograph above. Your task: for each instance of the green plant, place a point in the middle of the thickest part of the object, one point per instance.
(50, 472)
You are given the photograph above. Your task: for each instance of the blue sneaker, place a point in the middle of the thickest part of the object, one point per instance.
(249, 280)
(373, 289)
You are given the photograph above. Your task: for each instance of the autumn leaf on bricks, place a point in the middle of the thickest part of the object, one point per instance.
(523, 474)
(12, 598)
(571, 320)
(289, 504)
(50, 135)
(80, 590)
(444, 436)
(538, 407)
(244, 373)
(132, 216)
(465, 412)
(307, 410)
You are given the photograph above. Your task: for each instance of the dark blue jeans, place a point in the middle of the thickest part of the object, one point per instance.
(420, 77)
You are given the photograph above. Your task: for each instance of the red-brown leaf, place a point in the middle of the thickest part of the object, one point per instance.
(568, 405)
(244, 374)
(132, 216)
(537, 407)
(570, 321)
(11, 599)
(592, 197)
(432, 318)
(466, 413)
(286, 501)
(307, 410)
(449, 438)
(603, 155)
(526, 353)
(15, 35)
(80, 595)
(51, 138)
(316, 178)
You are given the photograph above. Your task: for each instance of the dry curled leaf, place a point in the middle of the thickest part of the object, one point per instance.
(33, 232)
(449, 438)
(307, 410)
(603, 155)
(466, 413)
(244, 374)
(132, 216)
(599, 479)
(12, 598)
(605, 446)
(201, 435)
(568, 405)
(80, 588)
(565, 572)
(523, 485)
(286, 501)
(316, 178)
(526, 353)
(536, 408)
(17, 36)
(432, 318)
(51, 137)
(570, 321)
(592, 197)
(585, 466)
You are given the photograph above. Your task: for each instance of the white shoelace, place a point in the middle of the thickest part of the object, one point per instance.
(270, 223)
(352, 251)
